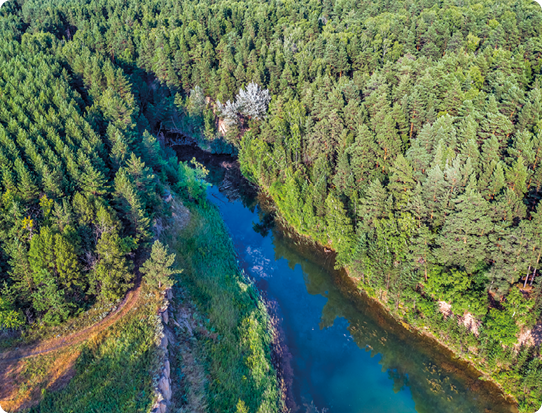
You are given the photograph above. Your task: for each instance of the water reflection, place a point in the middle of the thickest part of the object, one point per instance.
(348, 355)
(437, 382)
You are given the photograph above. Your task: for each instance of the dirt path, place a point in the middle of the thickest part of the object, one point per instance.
(62, 342)
(10, 361)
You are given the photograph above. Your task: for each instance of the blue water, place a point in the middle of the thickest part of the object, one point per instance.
(323, 357)
(347, 354)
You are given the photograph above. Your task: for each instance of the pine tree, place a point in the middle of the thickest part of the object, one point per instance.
(365, 155)
(150, 151)
(119, 146)
(27, 187)
(401, 181)
(112, 271)
(158, 269)
(10, 317)
(373, 206)
(129, 203)
(339, 229)
(464, 236)
(41, 253)
(93, 181)
(67, 266)
(49, 299)
(21, 272)
(421, 254)
(495, 123)
(420, 152)
(344, 176)
(516, 177)
(434, 196)
(497, 180)
(142, 176)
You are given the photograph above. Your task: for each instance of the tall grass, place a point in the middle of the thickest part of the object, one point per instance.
(113, 372)
(242, 378)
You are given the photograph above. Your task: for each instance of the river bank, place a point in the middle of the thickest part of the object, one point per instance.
(351, 287)
(431, 355)
(221, 342)
(224, 336)
(480, 380)
(470, 367)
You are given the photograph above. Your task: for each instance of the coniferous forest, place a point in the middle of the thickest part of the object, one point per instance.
(404, 135)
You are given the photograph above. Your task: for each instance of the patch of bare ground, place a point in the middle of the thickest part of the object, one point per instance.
(188, 371)
(24, 381)
(445, 308)
(468, 320)
(71, 340)
(27, 370)
(532, 337)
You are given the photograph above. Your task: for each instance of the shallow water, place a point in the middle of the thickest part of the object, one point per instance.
(347, 354)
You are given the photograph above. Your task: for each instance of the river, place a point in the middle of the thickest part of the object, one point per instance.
(346, 353)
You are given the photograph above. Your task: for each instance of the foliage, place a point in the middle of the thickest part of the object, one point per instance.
(157, 269)
(9, 316)
(464, 292)
(405, 135)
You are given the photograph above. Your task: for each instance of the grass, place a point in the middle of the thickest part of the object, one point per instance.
(113, 373)
(39, 332)
(238, 362)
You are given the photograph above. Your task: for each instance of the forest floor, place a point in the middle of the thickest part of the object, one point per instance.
(12, 362)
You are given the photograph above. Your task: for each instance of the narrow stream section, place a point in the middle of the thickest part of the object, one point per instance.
(347, 354)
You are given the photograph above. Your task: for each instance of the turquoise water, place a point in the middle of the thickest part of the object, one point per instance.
(345, 353)
(329, 368)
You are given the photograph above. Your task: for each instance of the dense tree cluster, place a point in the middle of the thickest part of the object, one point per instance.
(80, 182)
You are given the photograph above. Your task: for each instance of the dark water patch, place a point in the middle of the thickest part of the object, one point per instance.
(347, 353)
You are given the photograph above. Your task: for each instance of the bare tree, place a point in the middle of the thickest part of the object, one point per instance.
(229, 111)
(253, 101)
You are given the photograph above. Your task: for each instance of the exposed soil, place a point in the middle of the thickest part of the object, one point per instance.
(12, 362)
(531, 337)
(471, 323)
(59, 373)
(445, 308)
(62, 342)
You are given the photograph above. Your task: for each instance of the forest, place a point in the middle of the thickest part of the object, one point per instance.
(80, 183)
(405, 135)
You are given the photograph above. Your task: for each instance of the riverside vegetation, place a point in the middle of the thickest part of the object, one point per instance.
(404, 135)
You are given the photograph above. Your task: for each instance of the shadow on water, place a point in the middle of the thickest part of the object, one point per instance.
(348, 354)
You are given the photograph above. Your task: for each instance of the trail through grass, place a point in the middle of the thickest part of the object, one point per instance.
(113, 372)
